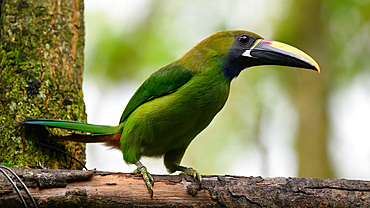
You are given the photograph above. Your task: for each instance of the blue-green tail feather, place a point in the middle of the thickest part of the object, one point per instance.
(74, 125)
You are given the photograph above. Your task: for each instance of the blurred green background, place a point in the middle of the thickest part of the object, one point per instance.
(278, 121)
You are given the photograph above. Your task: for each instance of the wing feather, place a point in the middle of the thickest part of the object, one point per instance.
(164, 81)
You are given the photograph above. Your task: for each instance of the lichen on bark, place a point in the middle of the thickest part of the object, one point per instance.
(41, 66)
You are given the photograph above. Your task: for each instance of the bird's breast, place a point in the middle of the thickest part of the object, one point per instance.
(172, 121)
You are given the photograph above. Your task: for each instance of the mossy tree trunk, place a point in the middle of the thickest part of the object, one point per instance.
(41, 53)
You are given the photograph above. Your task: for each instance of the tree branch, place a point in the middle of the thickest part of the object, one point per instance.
(77, 188)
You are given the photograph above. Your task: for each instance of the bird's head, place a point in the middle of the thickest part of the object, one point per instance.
(238, 49)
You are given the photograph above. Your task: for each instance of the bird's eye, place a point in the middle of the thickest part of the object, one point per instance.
(243, 39)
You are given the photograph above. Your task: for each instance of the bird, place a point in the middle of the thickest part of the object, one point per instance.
(178, 101)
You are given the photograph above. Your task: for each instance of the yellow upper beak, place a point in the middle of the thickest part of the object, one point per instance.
(278, 53)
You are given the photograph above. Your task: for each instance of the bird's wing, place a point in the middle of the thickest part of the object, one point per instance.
(160, 83)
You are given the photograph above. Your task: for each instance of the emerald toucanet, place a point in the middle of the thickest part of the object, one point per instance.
(179, 100)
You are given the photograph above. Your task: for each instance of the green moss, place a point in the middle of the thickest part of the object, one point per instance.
(11, 164)
(25, 56)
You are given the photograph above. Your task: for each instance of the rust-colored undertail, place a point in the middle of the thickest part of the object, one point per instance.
(110, 140)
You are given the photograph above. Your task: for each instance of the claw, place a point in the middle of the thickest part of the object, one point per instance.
(191, 172)
(149, 181)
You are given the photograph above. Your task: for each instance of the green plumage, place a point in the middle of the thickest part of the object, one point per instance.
(160, 83)
(63, 124)
(179, 100)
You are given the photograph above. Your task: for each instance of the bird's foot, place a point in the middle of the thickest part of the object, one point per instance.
(146, 176)
(191, 172)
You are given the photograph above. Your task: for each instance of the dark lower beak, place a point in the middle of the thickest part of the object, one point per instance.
(276, 53)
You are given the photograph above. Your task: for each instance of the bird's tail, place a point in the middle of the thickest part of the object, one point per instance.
(73, 125)
(109, 135)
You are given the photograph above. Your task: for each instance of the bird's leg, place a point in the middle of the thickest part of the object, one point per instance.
(146, 176)
(172, 162)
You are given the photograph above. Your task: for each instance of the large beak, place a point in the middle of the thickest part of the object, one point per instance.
(276, 53)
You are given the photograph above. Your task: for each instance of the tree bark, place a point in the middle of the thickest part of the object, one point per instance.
(76, 188)
(41, 53)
